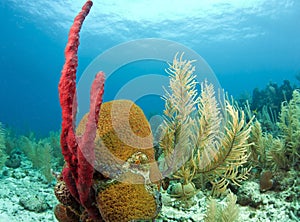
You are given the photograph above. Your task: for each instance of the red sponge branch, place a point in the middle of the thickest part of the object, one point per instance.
(67, 90)
(79, 152)
(85, 153)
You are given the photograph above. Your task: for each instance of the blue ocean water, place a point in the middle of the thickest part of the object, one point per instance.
(246, 43)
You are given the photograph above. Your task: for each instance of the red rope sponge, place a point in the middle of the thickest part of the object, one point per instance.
(79, 152)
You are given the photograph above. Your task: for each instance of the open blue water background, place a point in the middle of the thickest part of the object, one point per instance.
(246, 43)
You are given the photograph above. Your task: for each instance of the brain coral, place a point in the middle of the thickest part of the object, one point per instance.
(126, 202)
(125, 157)
(123, 131)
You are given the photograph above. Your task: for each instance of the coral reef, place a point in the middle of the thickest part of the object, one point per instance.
(206, 147)
(272, 96)
(25, 194)
(266, 103)
(281, 149)
(43, 152)
(274, 155)
(111, 173)
(280, 205)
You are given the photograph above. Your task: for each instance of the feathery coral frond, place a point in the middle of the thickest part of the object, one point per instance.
(177, 126)
(225, 213)
(207, 133)
(233, 152)
(197, 139)
(290, 126)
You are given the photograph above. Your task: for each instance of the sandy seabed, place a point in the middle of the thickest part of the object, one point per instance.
(26, 196)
